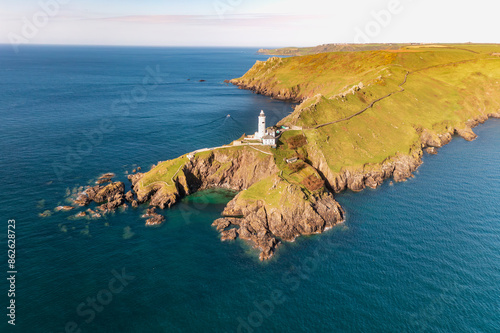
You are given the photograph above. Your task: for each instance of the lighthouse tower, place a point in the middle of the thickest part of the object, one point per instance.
(262, 125)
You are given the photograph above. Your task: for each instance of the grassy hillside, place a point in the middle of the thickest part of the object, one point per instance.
(325, 48)
(446, 85)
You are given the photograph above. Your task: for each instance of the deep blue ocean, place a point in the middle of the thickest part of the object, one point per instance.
(419, 256)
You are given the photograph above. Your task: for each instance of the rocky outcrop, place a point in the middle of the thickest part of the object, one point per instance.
(129, 196)
(266, 226)
(107, 193)
(110, 196)
(466, 133)
(432, 139)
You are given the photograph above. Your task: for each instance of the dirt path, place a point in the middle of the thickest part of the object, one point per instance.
(401, 89)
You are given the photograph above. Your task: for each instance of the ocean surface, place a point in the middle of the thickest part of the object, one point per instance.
(419, 256)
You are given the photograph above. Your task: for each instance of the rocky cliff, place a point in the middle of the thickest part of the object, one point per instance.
(267, 225)
(253, 215)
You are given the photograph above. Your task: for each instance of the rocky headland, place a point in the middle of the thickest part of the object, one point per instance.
(374, 121)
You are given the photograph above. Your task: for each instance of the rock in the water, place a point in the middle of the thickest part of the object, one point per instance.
(129, 196)
(153, 218)
(106, 178)
(81, 214)
(63, 208)
(82, 200)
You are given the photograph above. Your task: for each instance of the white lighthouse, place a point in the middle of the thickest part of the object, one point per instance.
(262, 125)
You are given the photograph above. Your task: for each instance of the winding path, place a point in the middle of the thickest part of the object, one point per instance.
(368, 107)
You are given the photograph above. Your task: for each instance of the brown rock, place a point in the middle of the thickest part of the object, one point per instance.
(64, 208)
(135, 178)
(466, 133)
(154, 218)
(82, 200)
(431, 151)
(230, 234)
(129, 196)
(109, 192)
(370, 182)
(106, 178)
(221, 224)
(114, 204)
(81, 214)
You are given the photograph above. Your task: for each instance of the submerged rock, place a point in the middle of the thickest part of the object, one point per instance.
(46, 213)
(81, 214)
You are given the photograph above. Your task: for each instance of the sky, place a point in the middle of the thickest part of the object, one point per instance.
(253, 23)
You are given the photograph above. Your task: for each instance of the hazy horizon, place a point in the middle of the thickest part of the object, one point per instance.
(240, 23)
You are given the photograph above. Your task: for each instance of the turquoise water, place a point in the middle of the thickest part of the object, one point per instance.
(420, 256)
